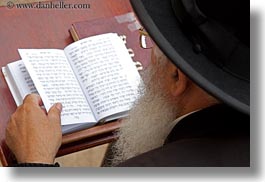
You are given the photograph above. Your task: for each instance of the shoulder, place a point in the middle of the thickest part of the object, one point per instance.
(216, 136)
(213, 122)
(202, 152)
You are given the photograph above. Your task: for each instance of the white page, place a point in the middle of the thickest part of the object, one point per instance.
(22, 80)
(106, 73)
(55, 82)
(21, 84)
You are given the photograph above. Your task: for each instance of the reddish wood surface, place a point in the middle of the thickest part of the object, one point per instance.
(47, 28)
(87, 143)
(90, 132)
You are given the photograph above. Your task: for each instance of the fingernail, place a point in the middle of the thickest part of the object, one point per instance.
(59, 106)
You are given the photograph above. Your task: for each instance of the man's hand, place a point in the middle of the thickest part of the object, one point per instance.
(33, 135)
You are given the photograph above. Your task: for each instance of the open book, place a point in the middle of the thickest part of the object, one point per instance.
(94, 78)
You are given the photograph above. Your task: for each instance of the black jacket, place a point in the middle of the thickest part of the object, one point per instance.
(216, 136)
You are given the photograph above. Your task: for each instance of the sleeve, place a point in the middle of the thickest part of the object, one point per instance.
(35, 165)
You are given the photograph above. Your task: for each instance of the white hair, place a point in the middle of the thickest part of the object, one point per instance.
(150, 120)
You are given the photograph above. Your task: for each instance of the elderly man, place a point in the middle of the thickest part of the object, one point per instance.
(194, 108)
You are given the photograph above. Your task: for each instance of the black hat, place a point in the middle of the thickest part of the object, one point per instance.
(207, 39)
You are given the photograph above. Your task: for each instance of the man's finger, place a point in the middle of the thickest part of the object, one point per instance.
(33, 98)
(54, 113)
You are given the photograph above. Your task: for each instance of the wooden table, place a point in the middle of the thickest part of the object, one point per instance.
(48, 28)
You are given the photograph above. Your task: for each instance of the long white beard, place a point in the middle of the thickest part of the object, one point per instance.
(149, 121)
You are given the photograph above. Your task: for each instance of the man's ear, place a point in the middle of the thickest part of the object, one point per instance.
(180, 84)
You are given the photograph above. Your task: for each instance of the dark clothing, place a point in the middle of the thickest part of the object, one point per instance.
(216, 136)
(36, 165)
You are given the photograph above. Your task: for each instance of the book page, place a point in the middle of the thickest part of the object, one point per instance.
(21, 80)
(55, 82)
(106, 72)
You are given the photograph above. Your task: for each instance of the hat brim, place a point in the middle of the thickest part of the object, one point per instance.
(158, 19)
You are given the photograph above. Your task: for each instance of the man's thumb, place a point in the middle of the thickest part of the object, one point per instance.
(54, 113)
